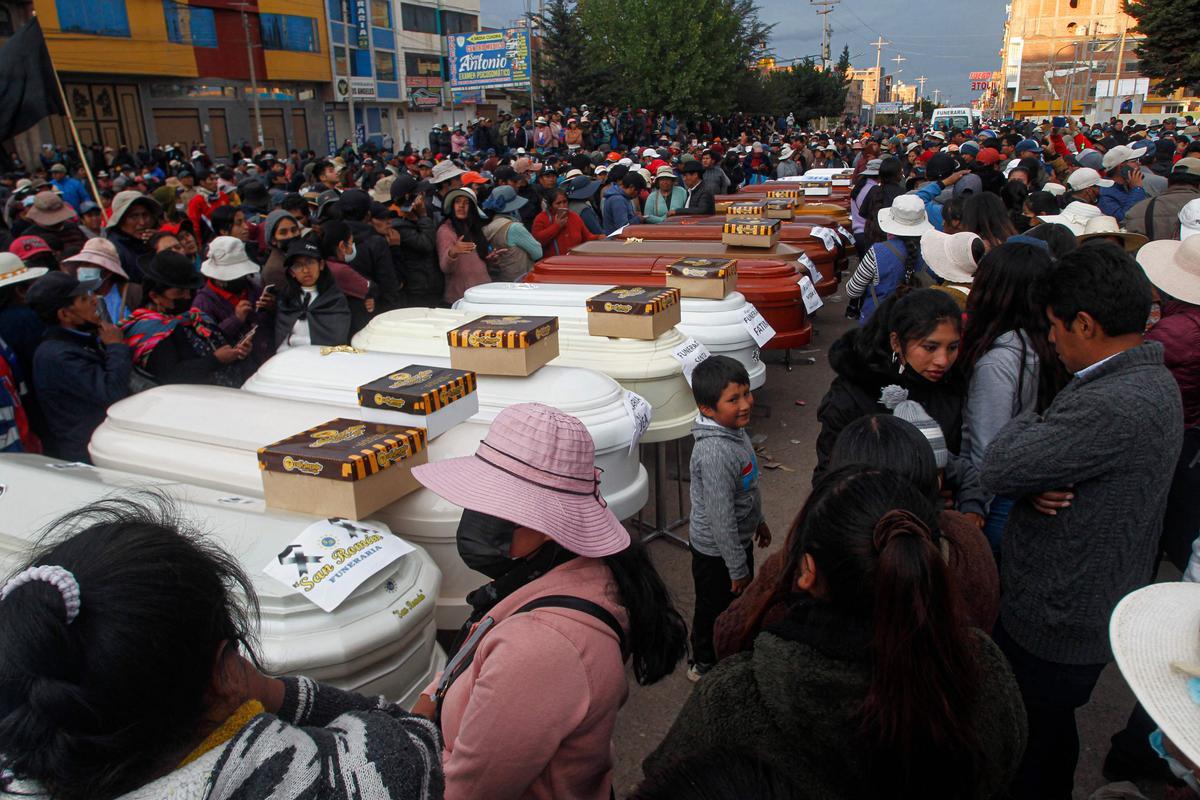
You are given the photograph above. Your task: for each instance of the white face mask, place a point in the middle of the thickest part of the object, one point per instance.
(351, 254)
(87, 274)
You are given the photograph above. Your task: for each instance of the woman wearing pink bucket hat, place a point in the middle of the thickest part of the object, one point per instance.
(528, 701)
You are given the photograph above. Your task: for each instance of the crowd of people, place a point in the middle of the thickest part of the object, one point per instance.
(1007, 454)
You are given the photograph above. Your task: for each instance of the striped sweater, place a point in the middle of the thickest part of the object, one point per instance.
(324, 743)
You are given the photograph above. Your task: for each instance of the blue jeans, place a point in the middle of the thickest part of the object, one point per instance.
(997, 518)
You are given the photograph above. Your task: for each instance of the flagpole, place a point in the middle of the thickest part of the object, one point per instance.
(75, 133)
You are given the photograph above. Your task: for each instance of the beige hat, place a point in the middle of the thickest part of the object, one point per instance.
(1086, 177)
(1105, 227)
(1119, 155)
(1075, 216)
(227, 260)
(125, 200)
(1056, 189)
(1155, 637)
(445, 170)
(665, 172)
(382, 191)
(950, 254)
(1174, 267)
(13, 270)
(99, 253)
(526, 165)
(906, 217)
(49, 209)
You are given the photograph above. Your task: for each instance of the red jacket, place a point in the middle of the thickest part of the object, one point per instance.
(1179, 333)
(199, 209)
(558, 239)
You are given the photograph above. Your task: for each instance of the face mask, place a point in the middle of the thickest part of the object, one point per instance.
(181, 306)
(236, 286)
(87, 274)
(352, 254)
(1178, 770)
(484, 543)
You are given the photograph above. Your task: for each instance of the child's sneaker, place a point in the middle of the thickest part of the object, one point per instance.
(697, 671)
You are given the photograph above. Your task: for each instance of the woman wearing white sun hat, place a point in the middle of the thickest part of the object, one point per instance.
(893, 262)
(954, 257)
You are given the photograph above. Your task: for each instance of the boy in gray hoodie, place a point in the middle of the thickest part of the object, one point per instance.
(727, 516)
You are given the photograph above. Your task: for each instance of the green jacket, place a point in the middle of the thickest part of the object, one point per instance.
(792, 706)
(657, 207)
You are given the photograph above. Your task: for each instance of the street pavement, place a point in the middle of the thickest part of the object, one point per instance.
(785, 412)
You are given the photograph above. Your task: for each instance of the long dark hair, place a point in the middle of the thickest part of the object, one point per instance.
(984, 214)
(912, 256)
(89, 709)
(887, 442)
(910, 315)
(873, 537)
(1002, 300)
(471, 228)
(658, 635)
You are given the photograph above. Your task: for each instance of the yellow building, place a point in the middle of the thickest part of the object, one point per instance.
(1077, 58)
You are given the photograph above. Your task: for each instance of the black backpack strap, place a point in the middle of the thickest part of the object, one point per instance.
(579, 604)
(1150, 218)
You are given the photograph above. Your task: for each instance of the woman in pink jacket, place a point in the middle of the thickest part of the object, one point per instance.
(461, 245)
(528, 701)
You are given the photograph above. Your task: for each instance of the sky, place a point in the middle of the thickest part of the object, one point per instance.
(944, 41)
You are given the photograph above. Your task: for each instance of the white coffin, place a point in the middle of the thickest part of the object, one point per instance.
(645, 367)
(716, 324)
(362, 645)
(210, 436)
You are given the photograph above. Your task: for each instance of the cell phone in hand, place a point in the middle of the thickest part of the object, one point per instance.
(249, 335)
(269, 289)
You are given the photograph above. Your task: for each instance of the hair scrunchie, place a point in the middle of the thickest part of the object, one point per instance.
(59, 578)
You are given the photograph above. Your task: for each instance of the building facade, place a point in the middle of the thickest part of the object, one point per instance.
(1076, 58)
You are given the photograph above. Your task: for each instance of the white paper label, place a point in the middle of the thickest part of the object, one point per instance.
(808, 291)
(333, 557)
(71, 465)
(235, 500)
(689, 354)
(760, 330)
(847, 235)
(813, 271)
(827, 236)
(641, 412)
(617, 232)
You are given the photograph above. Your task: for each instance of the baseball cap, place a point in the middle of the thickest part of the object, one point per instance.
(56, 290)
(1085, 177)
(1189, 165)
(300, 248)
(26, 247)
(1119, 155)
(989, 155)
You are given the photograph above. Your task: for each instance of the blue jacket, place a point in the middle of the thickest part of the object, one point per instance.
(1116, 200)
(933, 209)
(618, 209)
(73, 192)
(76, 379)
(891, 272)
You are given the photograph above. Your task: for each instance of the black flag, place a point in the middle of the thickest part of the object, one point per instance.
(28, 91)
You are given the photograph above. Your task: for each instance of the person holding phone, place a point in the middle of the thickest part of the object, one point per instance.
(558, 228)
(231, 298)
(1123, 168)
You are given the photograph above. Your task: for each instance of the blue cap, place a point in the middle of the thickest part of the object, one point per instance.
(969, 147)
(1027, 144)
(1142, 144)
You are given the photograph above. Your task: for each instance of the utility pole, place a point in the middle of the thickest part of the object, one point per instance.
(253, 79)
(878, 44)
(349, 79)
(936, 94)
(921, 82)
(826, 30)
(899, 59)
(1116, 103)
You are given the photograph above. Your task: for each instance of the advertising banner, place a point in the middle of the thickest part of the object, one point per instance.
(489, 59)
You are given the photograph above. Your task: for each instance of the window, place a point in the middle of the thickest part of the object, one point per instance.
(418, 19)
(422, 66)
(385, 66)
(454, 22)
(99, 17)
(360, 63)
(339, 55)
(288, 32)
(334, 9)
(190, 24)
(381, 13)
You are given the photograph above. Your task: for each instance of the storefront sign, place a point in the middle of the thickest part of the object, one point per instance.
(424, 98)
(982, 81)
(362, 20)
(363, 88)
(493, 59)
(473, 96)
(331, 142)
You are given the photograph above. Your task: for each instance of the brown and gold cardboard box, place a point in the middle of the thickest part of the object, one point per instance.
(780, 208)
(633, 312)
(794, 194)
(343, 468)
(435, 398)
(711, 278)
(754, 232)
(499, 344)
(747, 208)
(842, 178)
(816, 188)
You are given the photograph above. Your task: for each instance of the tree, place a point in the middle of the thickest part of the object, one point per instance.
(1168, 51)
(565, 74)
(687, 56)
(810, 93)
(843, 62)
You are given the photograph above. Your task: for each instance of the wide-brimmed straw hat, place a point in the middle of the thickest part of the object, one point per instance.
(950, 255)
(905, 217)
(1155, 636)
(1174, 267)
(536, 468)
(1108, 227)
(13, 270)
(49, 209)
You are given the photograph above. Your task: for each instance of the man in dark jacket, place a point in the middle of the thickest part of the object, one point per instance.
(424, 281)
(373, 259)
(1158, 217)
(1090, 477)
(81, 367)
(699, 198)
